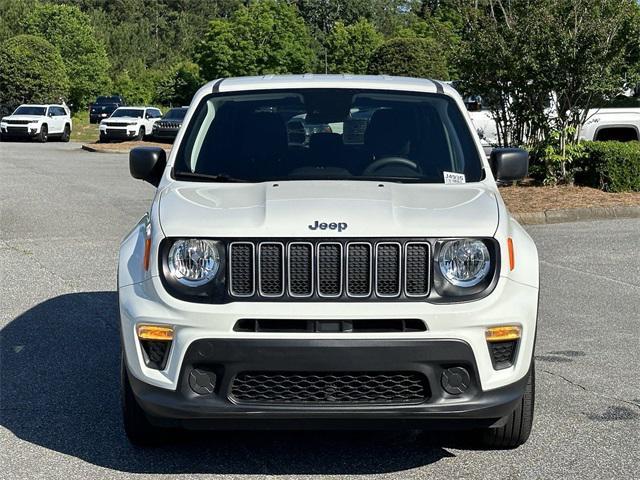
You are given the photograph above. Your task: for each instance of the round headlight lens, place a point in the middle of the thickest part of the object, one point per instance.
(194, 262)
(464, 263)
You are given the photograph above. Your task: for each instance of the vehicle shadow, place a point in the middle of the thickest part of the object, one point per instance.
(59, 388)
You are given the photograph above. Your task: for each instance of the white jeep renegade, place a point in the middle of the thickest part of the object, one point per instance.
(370, 277)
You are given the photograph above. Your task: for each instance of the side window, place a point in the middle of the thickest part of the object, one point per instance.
(156, 113)
(50, 112)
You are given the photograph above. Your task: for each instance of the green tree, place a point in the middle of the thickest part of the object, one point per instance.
(31, 71)
(264, 37)
(179, 86)
(410, 57)
(521, 55)
(85, 58)
(350, 47)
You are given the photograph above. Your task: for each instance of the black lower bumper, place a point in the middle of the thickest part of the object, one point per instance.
(117, 134)
(18, 132)
(228, 358)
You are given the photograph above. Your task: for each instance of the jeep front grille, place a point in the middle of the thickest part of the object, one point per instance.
(324, 270)
(330, 388)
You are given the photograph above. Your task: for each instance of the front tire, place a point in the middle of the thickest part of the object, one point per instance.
(141, 134)
(66, 134)
(136, 425)
(517, 428)
(43, 136)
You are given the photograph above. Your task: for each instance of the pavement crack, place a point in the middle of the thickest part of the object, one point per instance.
(31, 256)
(591, 392)
(602, 277)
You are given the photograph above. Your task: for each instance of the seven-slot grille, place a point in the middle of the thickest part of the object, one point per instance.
(329, 269)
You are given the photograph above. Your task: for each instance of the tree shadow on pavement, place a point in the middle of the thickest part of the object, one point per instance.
(59, 388)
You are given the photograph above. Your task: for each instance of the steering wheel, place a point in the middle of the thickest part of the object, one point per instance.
(384, 162)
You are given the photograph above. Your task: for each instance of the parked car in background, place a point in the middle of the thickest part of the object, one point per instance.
(103, 107)
(129, 123)
(37, 122)
(619, 124)
(168, 126)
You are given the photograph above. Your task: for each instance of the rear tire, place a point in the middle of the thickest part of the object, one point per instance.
(66, 134)
(517, 428)
(43, 136)
(136, 425)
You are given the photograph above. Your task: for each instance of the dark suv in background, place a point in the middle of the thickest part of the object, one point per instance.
(103, 107)
(168, 126)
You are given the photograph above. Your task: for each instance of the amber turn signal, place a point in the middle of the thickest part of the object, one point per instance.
(155, 332)
(512, 255)
(502, 334)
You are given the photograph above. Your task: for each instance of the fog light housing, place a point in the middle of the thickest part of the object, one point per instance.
(503, 345)
(155, 341)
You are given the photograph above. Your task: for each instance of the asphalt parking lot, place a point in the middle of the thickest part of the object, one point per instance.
(63, 212)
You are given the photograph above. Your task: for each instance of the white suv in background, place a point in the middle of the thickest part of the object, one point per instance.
(129, 123)
(39, 122)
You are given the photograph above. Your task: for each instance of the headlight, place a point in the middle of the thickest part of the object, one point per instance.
(194, 262)
(464, 262)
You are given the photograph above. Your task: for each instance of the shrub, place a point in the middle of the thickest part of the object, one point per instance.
(410, 57)
(610, 166)
(31, 71)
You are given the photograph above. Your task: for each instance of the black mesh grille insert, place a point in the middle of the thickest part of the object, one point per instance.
(242, 274)
(330, 269)
(359, 269)
(156, 353)
(417, 268)
(388, 269)
(300, 269)
(502, 353)
(330, 388)
(271, 269)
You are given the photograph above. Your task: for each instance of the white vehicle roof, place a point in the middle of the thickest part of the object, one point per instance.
(42, 105)
(309, 80)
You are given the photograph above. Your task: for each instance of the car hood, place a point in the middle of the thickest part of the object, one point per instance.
(287, 209)
(30, 118)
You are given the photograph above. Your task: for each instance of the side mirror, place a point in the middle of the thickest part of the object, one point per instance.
(509, 164)
(147, 163)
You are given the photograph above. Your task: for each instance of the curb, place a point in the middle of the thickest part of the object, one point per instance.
(97, 149)
(577, 214)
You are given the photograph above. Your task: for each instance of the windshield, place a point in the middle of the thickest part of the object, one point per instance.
(175, 114)
(108, 100)
(328, 134)
(128, 112)
(26, 110)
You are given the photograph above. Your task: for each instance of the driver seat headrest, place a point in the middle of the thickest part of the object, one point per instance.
(389, 133)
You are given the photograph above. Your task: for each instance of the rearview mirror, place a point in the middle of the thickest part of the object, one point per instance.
(147, 163)
(509, 164)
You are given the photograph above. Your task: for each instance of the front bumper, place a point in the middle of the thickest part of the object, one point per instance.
(165, 133)
(24, 131)
(114, 133)
(227, 358)
(511, 303)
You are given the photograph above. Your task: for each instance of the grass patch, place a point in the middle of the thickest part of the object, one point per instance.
(83, 131)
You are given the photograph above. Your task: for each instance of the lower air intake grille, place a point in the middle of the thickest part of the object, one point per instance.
(330, 388)
(503, 353)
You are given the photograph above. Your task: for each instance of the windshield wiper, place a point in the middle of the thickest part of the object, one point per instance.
(204, 177)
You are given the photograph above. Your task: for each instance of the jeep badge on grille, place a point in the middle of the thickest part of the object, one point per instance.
(331, 226)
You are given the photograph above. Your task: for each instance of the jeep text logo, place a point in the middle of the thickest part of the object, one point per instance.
(331, 226)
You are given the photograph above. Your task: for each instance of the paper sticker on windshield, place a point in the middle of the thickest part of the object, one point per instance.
(450, 178)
